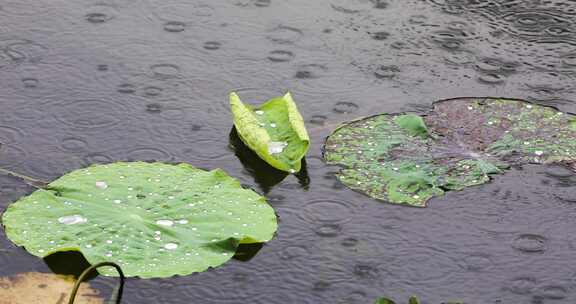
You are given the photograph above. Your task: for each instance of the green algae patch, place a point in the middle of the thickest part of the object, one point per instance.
(408, 159)
(153, 219)
(275, 131)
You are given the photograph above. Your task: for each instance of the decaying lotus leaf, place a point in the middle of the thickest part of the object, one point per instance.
(44, 288)
(408, 159)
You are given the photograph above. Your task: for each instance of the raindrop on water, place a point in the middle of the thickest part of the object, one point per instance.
(552, 292)
(318, 119)
(97, 17)
(328, 230)
(262, 3)
(30, 83)
(380, 35)
(569, 60)
(212, 45)
(386, 72)
(154, 108)
(174, 26)
(126, 88)
(280, 56)
(345, 107)
(521, 285)
(530, 243)
(491, 78)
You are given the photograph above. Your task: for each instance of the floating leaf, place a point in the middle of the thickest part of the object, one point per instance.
(153, 219)
(408, 159)
(412, 300)
(274, 130)
(384, 301)
(35, 287)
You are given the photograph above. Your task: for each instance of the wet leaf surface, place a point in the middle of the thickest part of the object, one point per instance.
(274, 130)
(153, 219)
(76, 92)
(408, 159)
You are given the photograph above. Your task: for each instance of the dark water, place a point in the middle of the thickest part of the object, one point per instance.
(83, 82)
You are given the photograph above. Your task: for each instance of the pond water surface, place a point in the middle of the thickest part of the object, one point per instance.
(85, 82)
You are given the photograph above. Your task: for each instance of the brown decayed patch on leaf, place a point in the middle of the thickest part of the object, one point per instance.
(44, 288)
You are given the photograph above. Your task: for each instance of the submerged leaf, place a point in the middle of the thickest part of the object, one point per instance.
(40, 288)
(384, 301)
(153, 219)
(461, 142)
(413, 300)
(274, 130)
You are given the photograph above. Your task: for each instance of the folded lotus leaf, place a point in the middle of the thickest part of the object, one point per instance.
(274, 130)
(153, 219)
(408, 159)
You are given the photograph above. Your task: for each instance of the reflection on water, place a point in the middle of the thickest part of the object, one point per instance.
(102, 81)
(68, 263)
(264, 175)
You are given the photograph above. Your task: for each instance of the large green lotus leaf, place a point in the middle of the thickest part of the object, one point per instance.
(408, 159)
(153, 219)
(274, 130)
